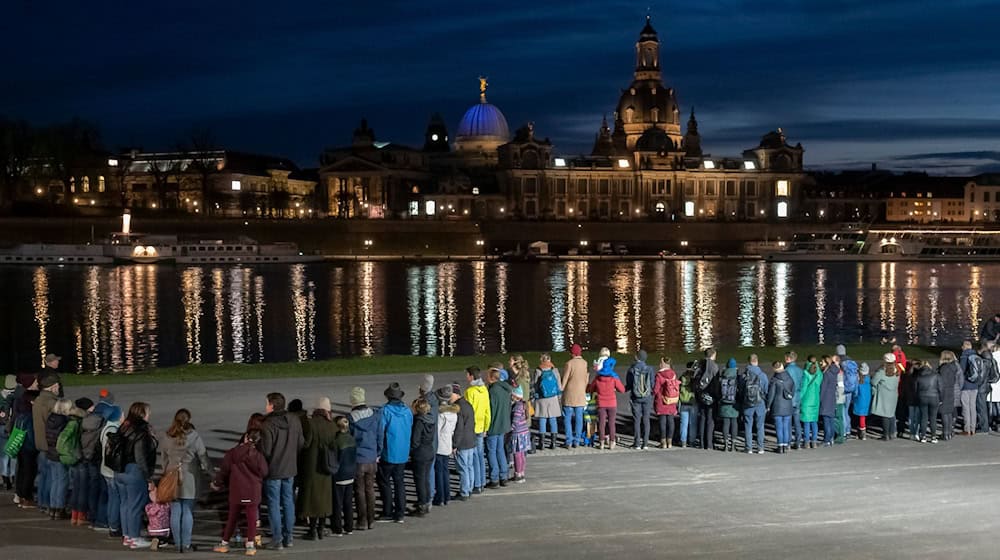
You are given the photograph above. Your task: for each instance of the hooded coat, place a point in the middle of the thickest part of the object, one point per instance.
(862, 400)
(41, 409)
(659, 407)
(446, 421)
(812, 381)
(394, 432)
(243, 470)
(638, 372)
(574, 382)
(885, 393)
(950, 378)
(478, 397)
(928, 385)
(500, 401)
(828, 392)
(465, 426)
(728, 410)
(422, 438)
(90, 437)
(605, 385)
(776, 401)
(364, 423)
(281, 440)
(316, 493)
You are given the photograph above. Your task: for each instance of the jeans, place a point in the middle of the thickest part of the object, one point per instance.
(811, 431)
(607, 417)
(114, 506)
(80, 482)
(689, 418)
(58, 484)
(914, 421)
(280, 508)
(393, 490)
(753, 421)
(364, 490)
(133, 494)
(706, 426)
(968, 416)
(479, 462)
(828, 429)
(422, 481)
(465, 460)
(497, 457)
(838, 423)
(798, 434)
(783, 428)
(8, 465)
(848, 397)
(928, 419)
(641, 410)
(97, 496)
(44, 484)
(543, 423)
(182, 521)
(573, 435)
(442, 482)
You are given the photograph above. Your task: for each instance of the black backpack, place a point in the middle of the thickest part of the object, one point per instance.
(990, 369)
(727, 390)
(751, 390)
(116, 451)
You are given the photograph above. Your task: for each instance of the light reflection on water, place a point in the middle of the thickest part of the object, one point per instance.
(131, 318)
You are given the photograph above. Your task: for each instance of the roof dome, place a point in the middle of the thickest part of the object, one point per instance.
(483, 121)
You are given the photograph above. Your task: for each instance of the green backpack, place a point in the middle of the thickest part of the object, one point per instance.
(686, 394)
(68, 444)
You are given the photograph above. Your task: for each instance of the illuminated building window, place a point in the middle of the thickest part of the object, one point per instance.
(782, 188)
(414, 207)
(709, 164)
(100, 183)
(429, 207)
(85, 182)
(782, 209)
(689, 208)
(236, 185)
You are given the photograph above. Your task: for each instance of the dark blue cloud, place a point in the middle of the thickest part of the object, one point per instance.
(293, 78)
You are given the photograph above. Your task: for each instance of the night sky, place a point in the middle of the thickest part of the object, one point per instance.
(907, 84)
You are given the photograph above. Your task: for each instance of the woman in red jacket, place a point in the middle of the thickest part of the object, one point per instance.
(605, 385)
(666, 394)
(243, 470)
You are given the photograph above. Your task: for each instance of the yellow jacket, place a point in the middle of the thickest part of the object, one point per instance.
(479, 398)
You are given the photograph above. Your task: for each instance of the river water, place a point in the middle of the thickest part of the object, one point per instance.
(127, 318)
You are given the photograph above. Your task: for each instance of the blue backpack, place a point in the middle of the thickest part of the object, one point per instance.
(548, 385)
(850, 368)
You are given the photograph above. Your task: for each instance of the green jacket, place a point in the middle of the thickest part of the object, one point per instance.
(316, 493)
(885, 392)
(728, 410)
(500, 401)
(812, 379)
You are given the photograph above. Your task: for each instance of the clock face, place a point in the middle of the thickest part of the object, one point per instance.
(434, 137)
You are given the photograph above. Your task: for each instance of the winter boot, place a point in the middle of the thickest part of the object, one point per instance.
(552, 440)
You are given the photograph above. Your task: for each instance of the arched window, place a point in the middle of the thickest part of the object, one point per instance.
(86, 184)
(628, 114)
(655, 114)
(100, 183)
(72, 184)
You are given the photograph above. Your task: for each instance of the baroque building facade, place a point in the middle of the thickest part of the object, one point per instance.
(643, 166)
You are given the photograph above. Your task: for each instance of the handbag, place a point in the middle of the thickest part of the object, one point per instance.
(15, 441)
(169, 486)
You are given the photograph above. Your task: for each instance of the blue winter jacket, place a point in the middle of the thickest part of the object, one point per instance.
(755, 370)
(394, 432)
(795, 372)
(365, 422)
(862, 400)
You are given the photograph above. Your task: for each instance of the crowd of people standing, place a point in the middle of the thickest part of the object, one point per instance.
(98, 465)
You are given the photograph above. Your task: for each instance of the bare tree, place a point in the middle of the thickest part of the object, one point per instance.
(17, 147)
(200, 146)
(161, 170)
(65, 148)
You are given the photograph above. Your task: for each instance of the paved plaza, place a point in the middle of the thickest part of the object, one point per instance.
(866, 499)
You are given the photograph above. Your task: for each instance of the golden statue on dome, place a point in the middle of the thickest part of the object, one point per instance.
(483, 84)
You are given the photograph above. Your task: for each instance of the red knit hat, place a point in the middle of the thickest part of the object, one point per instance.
(576, 350)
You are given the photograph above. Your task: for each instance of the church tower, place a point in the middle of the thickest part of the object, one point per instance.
(647, 103)
(647, 54)
(692, 140)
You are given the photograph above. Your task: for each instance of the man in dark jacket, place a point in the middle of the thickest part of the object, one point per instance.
(426, 390)
(990, 331)
(928, 385)
(364, 423)
(705, 391)
(281, 441)
(754, 388)
(500, 401)
(464, 443)
(49, 387)
(639, 383)
(989, 370)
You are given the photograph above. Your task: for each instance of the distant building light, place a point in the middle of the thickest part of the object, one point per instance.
(39, 191)
(434, 137)
(689, 208)
(76, 201)
(236, 185)
(782, 187)
(560, 162)
(684, 243)
(749, 165)
(623, 163)
(570, 210)
(93, 202)
(429, 207)
(466, 211)
(153, 205)
(761, 212)
(821, 213)
(636, 210)
(781, 244)
(584, 242)
(112, 162)
(709, 164)
(368, 242)
(782, 209)
(502, 210)
(475, 190)
(480, 242)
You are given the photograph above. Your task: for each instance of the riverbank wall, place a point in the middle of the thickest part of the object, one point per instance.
(427, 238)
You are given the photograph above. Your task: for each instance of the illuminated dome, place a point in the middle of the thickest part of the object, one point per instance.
(483, 127)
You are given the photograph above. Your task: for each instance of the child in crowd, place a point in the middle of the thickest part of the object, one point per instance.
(520, 434)
(342, 521)
(605, 385)
(158, 515)
(590, 418)
(862, 400)
(243, 470)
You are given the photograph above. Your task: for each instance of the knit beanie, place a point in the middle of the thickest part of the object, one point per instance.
(841, 350)
(576, 350)
(427, 383)
(357, 396)
(641, 355)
